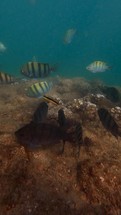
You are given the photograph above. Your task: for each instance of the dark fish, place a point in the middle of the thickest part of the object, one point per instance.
(41, 113)
(6, 78)
(36, 136)
(79, 136)
(108, 121)
(36, 69)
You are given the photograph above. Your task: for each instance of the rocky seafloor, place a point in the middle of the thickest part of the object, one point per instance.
(61, 184)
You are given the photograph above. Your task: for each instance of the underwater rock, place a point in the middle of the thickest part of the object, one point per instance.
(85, 108)
(100, 100)
(116, 112)
(73, 87)
(111, 93)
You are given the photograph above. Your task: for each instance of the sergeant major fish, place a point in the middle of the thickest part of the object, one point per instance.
(36, 69)
(39, 89)
(6, 78)
(98, 66)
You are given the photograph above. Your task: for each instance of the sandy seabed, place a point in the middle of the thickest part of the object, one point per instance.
(51, 183)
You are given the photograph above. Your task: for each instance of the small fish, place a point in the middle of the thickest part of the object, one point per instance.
(2, 47)
(108, 121)
(35, 69)
(52, 100)
(98, 66)
(69, 35)
(6, 78)
(79, 136)
(41, 113)
(39, 89)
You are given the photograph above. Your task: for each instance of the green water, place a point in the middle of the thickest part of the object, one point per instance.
(37, 28)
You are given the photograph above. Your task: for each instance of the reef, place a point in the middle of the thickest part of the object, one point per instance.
(51, 183)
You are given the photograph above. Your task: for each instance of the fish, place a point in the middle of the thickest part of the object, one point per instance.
(69, 35)
(5, 78)
(41, 113)
(2, 47)
(98, 66)
(35, 69)
(108, 122)
(39, 89)
(52, 100)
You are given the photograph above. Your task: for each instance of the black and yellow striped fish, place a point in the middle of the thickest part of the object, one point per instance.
(39, 89)
(6, 78)
(36, 69)
(108, 121)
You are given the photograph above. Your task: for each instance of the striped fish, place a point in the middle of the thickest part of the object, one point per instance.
(36, 70)
(39, 89)
(6, 78)
(108, 121)
(98, 66)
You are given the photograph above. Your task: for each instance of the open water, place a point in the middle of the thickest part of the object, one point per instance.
(37, 27)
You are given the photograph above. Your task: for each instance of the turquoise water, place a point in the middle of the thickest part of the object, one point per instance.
(36, 28)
